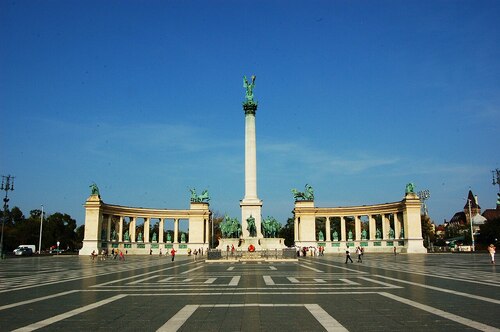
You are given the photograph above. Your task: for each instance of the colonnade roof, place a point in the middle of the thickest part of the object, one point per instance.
(361, 210)
(141, 212)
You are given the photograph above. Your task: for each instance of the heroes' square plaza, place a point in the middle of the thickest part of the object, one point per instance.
(261, 285)
(403, 292)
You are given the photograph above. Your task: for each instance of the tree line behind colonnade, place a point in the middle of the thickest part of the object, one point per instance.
(21, 229)
(57, 227)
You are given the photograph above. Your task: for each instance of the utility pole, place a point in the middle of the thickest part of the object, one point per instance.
(7, 184)
(40, 241)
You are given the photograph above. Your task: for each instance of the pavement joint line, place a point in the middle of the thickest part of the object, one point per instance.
(444, 290)
(175, 322)
(342, 268)
(311, 268)
(12, 305)
(350, 282)
(140, 281)
(57, 318)
(234, 281)
(378, 282)
(452, 276)
(462, 320)
(194, 269)
(67, 279)
(328, 322)
(140, 275)
(204, 287)
(268, 280)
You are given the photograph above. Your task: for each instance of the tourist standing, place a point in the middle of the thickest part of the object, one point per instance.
(348, 255)
(172, 252)
(491, 250)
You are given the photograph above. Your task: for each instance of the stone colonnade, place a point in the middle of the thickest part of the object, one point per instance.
(104, 228)
(385, 226)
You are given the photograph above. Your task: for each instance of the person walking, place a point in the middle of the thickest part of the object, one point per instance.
(359, 253)
(491, 250)
(172, 252)
(348, 255)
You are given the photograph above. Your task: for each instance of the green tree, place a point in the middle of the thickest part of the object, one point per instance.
(427, 229)
(489, 232)
(80, 233)
(287, 232)
(217, 219)
(59, 227)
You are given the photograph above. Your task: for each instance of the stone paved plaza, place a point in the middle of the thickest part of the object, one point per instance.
(435, 292)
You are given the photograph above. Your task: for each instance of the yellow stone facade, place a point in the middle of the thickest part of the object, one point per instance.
(102, 219)
(402, 217)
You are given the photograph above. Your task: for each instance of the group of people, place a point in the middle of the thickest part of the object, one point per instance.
(313, 251)
(359, 251)
(115, 253)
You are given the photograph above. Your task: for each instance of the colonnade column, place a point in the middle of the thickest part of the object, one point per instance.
(160, 230)
(120, 230)
(372, 226)
(207, 231)
(397, 226)
(327, 229)
(385, 228)
(146, 229)
(176, 230)
(108, 231)
(131, 229)
(296, 229)
(343, 234)
(357, 228)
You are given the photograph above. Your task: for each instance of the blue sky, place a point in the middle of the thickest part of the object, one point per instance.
(356, 98)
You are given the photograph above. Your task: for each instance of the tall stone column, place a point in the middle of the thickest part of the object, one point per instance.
(357, 228)
(147, 222)
(132, 228)
(327, 229)
(343, 233)
(250, 205)
(120, 230)
(412, 226)
(296, 230)
(160, 230)
(176, 230)
(385, 226)
(372, 227)
(93, 224)
(108, 230)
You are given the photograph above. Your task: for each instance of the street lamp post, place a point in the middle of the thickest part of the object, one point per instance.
(40, 240)
(7, 184)
(424, 195)
(496, 180)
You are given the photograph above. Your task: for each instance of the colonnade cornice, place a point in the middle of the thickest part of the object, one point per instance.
(385, 208)
(140, 212)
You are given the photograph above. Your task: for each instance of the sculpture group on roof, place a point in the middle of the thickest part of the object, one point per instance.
(307, 195)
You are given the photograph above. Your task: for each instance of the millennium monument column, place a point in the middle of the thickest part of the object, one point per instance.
(251, 205)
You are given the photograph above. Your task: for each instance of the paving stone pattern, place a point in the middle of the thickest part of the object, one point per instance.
(434, 292)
